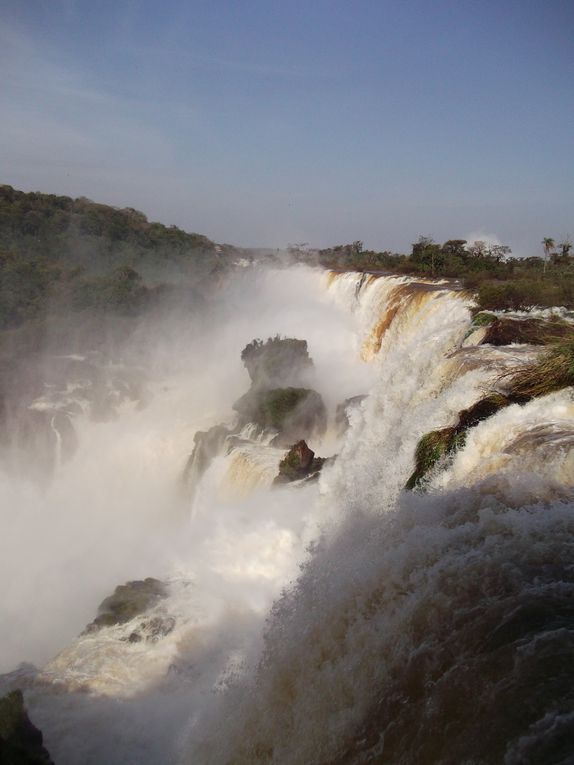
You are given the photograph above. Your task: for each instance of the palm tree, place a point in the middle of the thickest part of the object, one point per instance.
(548, 243)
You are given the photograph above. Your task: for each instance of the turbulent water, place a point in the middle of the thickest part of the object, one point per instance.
(346, 621)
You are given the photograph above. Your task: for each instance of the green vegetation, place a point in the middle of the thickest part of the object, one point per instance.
(506, 330)
(59, 254)
(439, 444)
(430, 449)
(501, 281)
(283, 409)
(295, 412)
(483, 319)
(553, 371)
(129, 600)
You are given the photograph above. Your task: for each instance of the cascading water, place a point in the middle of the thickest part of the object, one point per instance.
(427, 627)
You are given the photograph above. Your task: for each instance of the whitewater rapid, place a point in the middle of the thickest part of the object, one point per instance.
(345, 621)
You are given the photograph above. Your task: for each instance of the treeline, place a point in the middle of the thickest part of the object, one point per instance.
(61, 254)
(501, 281)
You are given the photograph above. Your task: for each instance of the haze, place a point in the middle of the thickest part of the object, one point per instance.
(266, 122)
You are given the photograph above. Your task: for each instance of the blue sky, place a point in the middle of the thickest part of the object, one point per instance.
(265, 122)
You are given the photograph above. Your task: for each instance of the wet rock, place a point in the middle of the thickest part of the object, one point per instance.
(208, 444)
(482, 410)
(277, 362)
(438, 444)
(152, 630)
(299, 462)
(128, 601)
(21, 743)
(430, 449)
(296, 413)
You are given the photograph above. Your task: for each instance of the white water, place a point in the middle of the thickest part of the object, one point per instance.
(382, 566)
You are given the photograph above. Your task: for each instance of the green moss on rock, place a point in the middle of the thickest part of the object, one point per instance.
(483, 319)
(430, 449)
(439, 444)
(296, 413)
(128, 601)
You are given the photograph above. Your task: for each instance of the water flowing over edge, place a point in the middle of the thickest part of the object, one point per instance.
(391, 619)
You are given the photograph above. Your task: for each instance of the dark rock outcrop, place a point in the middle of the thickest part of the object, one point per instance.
(439, 444)
(277, 362)
(296, 413)
(21, 743)
(128, 601)
(208, 444)
(299, 462)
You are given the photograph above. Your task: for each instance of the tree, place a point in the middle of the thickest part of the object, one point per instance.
(455, 247)
(548, 243)
(428, 254)
(499, 251)
(565, 247)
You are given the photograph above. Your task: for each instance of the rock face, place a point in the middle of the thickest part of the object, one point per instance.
(20, 740)
(438, 444)
(208, 444)
(277, 362)
(299, 462)
(128, 601)
(296, 413)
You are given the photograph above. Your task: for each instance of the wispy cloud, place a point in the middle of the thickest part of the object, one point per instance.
(54, 125)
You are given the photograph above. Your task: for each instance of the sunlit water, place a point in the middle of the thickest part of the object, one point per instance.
(416, 622)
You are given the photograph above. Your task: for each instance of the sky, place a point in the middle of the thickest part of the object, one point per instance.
(268, 122)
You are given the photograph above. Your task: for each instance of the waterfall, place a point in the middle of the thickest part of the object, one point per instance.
(343, 621)
(58, 446)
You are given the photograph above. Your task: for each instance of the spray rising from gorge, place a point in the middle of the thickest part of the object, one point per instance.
(341, 620)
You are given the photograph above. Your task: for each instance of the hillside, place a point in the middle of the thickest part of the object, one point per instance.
(59, 253)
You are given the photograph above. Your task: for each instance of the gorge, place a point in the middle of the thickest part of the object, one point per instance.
(346, 619)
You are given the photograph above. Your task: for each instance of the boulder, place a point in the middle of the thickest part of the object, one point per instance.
(296, 413)
(21, 743)
(208, 444)
(277, 362)
(299, 462)
(128, 601)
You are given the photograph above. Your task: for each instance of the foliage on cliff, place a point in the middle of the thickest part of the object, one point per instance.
(59, 254)
(294, 412)
(501, 281)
